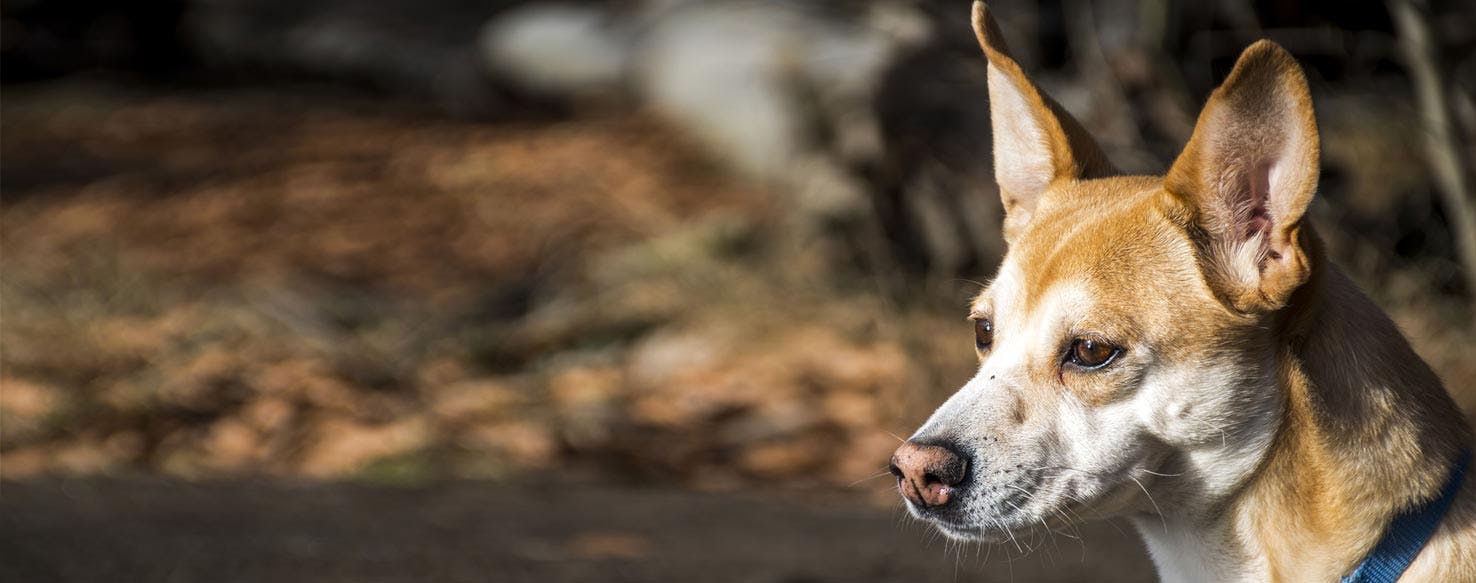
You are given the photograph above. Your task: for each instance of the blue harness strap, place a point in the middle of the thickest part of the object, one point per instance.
(1408, 533)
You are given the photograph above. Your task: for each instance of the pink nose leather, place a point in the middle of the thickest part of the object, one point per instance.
(926, 474)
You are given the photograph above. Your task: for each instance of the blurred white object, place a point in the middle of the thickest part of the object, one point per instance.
(751, 79)
(556, 48)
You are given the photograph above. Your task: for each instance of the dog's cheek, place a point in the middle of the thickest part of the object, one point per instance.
(1091, 438)
(1170, 408)
(1189, 407)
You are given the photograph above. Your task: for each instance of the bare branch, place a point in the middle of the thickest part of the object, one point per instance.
(1416, 39)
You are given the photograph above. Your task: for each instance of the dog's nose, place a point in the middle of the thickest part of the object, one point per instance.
(926, 474)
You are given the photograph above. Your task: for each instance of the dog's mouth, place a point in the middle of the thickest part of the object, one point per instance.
(1055, 507)
(968, 520)
(971, 533)
(993, 530)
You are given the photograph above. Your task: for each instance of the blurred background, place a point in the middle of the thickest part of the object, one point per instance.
(628, 290)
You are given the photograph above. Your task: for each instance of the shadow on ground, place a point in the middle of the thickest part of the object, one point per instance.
(83, 531)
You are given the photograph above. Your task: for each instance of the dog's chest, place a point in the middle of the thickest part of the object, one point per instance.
(1185, 554)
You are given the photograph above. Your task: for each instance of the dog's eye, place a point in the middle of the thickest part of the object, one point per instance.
(983, 333)
(1091, 354)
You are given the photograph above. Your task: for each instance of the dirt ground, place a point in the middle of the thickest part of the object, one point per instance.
(95, 531)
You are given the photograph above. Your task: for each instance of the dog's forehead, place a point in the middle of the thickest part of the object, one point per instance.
(1102, 240)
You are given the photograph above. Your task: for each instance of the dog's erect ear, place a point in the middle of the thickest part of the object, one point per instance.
(1249, 171)
(1035, 141)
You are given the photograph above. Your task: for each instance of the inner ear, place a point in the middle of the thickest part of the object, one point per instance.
(1249, 171)
(1258, 217)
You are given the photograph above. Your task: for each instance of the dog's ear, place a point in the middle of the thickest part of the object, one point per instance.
(1248, 173)
(1036, 142)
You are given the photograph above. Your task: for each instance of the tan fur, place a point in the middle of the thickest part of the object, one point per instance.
(1369, 432)
(1176, 263)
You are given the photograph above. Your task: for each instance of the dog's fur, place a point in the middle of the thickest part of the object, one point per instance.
(1264, 420)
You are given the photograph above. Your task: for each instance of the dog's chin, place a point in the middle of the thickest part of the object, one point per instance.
(997, 529)
(971, 533)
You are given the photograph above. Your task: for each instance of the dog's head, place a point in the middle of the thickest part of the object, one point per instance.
(1126, 345)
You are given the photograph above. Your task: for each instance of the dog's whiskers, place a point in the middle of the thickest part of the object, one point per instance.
(1067, 522)
(1066, 469)
(1156, 509)
(1224, 437)
(1011, 534)
(869, 478)
(1030, 495)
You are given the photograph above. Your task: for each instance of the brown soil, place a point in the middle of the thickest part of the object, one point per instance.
(88, 531)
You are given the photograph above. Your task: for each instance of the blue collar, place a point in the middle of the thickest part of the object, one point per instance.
(1408, 533)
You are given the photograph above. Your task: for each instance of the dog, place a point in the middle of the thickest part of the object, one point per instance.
(1179, 350)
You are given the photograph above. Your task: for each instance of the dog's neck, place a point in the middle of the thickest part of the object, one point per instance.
(1318, 500)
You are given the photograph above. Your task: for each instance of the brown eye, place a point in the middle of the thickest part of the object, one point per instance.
(1091, 354)
(983, 333)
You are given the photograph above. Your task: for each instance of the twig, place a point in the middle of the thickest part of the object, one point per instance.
(1416, 39)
